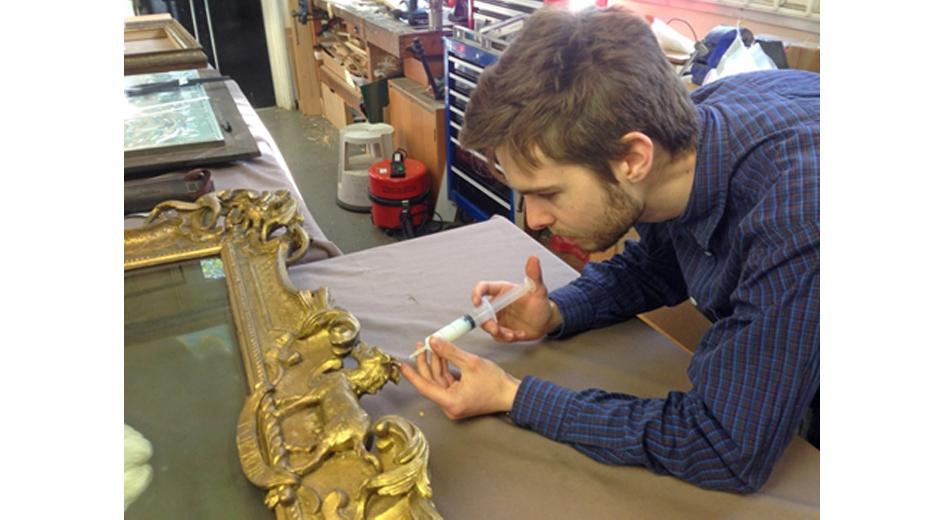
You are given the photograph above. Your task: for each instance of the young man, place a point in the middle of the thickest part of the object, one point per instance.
(590, 123)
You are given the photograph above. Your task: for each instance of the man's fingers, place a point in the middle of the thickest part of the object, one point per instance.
(447, 373)
(450, 352)
(427, 388)
(437, 375)
(500, 333)
(477, 293)
(422, 363)
(504, 334)
(487, 289)
(491, 327)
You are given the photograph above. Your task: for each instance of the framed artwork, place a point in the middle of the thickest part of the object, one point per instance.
(190, 120)
(242, 391)
(155, 43)
(175, 117)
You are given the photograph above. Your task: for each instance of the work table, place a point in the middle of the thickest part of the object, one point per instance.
(486, 467)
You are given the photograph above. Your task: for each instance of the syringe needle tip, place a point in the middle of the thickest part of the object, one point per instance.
(420, 351)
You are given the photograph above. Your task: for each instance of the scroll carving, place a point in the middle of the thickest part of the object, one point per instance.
(302, 434)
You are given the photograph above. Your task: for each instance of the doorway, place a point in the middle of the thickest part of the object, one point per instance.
(232, 34)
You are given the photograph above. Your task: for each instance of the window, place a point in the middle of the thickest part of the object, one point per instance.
(803, 15)
(798, 8)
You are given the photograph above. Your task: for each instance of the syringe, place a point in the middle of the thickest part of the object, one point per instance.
(487, 310)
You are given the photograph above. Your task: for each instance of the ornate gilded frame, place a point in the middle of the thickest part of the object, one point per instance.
(183, 52)
(293, 344)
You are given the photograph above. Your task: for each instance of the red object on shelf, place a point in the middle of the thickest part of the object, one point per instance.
(561, 245)
(399, 192)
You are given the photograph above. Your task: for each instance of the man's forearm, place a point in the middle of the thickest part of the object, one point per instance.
(669, 436)
(608, 292)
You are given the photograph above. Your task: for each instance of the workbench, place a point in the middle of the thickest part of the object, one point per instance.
(486, 467)
(382, 37)
(418, 121)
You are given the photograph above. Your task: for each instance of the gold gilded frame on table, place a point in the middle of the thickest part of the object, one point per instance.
(302, 433)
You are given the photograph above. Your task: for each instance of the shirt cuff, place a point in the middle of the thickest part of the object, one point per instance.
(577, 313)
(541, 406)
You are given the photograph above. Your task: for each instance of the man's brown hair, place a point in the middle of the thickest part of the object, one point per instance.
(571, 85)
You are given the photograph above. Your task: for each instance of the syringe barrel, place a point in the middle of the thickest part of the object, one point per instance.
(486, 311)
(455, 330)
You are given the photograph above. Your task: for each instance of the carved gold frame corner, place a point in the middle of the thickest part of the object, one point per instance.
(293, 344)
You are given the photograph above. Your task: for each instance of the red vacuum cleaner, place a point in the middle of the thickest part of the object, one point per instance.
(399, 193)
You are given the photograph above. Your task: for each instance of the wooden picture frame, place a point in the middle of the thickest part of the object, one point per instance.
(238, 141)
(301, 434)
(157, 43)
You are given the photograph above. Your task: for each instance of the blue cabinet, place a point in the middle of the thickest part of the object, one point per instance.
(470, 185)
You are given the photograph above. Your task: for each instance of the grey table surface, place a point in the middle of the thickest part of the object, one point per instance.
(487, 467)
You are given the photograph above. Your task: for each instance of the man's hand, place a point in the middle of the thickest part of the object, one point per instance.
(481, 388)
(529, 318)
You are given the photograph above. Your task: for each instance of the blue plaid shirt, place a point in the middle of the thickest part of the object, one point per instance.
(746, 251)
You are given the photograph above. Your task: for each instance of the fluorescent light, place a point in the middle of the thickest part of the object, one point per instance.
(577, 5)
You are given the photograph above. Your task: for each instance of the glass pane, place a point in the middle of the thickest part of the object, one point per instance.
(171, 118)
(184, 388)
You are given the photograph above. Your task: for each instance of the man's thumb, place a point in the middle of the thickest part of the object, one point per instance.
(532, 269)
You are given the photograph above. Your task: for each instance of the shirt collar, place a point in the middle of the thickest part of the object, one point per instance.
(707, 200)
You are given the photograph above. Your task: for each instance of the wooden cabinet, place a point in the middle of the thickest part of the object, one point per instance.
(419, 123)
(300, 41)
(335, 108)
(361, 45)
